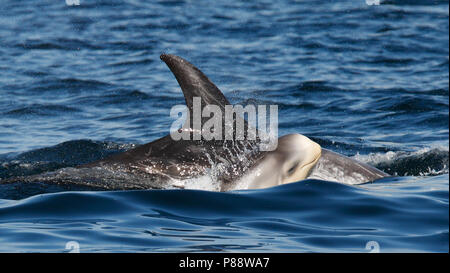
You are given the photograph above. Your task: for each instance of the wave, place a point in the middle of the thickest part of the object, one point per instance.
(66, 154)
(296, 217)
(41, 110)
(414, 2)
(424, 162)
(58, 44)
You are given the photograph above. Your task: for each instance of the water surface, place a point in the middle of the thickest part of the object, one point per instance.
(82, 82)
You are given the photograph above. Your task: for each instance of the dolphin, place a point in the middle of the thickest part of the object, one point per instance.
(298, 157)
(228, 164)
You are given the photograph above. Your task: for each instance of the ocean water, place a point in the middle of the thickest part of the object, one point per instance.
(80, 82)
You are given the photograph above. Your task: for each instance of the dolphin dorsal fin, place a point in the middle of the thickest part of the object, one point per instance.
(194, 83)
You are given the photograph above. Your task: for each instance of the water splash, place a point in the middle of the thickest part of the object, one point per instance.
(427, 161)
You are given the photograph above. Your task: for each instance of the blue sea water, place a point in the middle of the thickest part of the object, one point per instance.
(84, 81)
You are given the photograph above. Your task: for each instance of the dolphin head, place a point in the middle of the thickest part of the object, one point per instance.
(291, 161)
(300, 154)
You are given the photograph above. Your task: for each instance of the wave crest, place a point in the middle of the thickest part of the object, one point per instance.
(428, 161)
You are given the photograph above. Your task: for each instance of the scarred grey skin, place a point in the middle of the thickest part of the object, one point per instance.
(166, 163)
